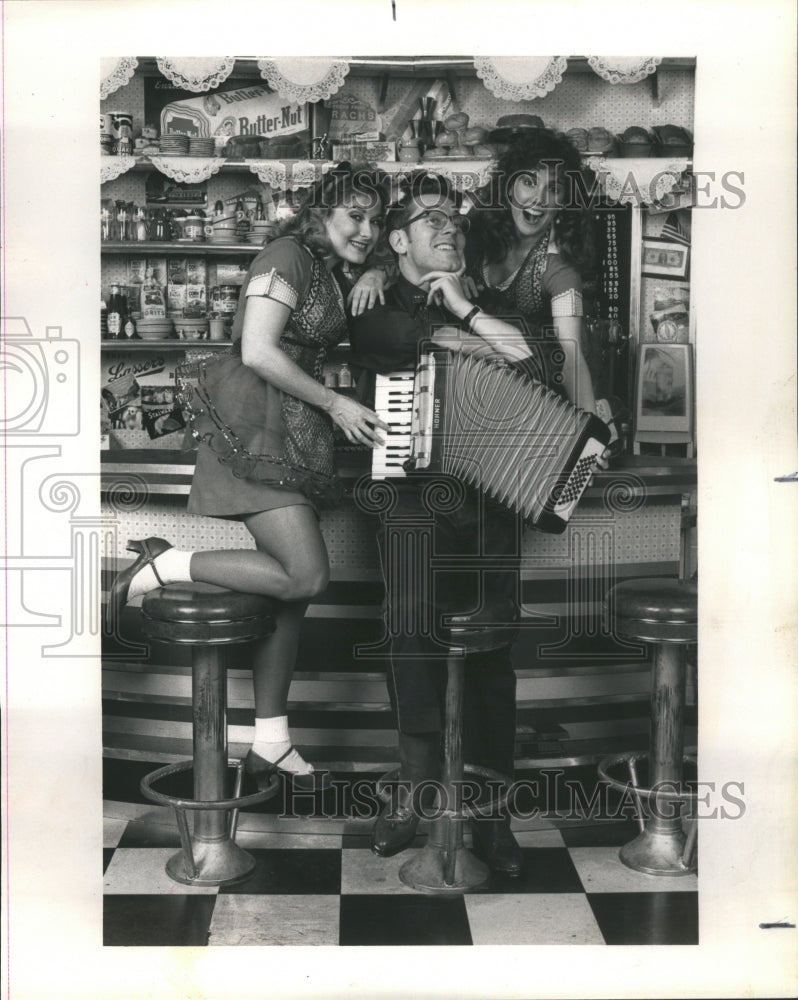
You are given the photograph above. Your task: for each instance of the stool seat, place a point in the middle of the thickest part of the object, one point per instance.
(654, 609)
(202, 614)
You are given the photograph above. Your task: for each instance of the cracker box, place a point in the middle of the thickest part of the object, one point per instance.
(344, 115)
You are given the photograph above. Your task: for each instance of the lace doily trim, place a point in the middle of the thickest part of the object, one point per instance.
(520, 79)
(464, 176)
(112, 167)
(196, 74)
(305, 79)
(637, 181)
(188, 169)
(623, 69)
(119, 74)
(289, 175)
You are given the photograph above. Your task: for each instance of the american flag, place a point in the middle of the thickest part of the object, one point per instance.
(676, 230)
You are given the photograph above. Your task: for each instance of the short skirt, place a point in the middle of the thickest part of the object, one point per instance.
(258, 448)
(217, 492)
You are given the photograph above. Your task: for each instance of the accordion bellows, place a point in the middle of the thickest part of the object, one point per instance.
(496, 430)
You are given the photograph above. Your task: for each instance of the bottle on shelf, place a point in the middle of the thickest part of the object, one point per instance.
(345, 377)
(117, 313)
(129, 332)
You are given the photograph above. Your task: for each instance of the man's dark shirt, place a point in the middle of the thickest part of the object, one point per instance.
(387, 338)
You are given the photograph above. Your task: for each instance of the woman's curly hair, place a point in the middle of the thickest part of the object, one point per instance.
(335, 188)
(494, 229)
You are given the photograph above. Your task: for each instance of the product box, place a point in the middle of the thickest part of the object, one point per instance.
(176, 268)
(344, 115)
(160, 411)
(136, 270)
(230, 273)
(236, 108)
(176, 298)
(357, 151)
(196, 271)
(195, 297)
(158, 267)
(138, 400)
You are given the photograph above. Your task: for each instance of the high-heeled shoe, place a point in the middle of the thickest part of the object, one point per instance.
(149, 549)
(261, 770)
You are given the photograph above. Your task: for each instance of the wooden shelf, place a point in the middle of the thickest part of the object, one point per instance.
(232, 164)
(153, 248)
(172, 344)
(413, 66)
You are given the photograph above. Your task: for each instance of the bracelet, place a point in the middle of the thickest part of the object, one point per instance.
(469, 316)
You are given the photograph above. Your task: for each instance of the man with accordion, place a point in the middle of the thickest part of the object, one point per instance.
(475, 539)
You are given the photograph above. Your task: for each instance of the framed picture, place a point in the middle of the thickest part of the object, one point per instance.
(664, 401)
(662, 258)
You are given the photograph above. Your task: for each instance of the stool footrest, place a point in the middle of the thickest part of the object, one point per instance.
(470, 810)
(176, 802)
(630, 758)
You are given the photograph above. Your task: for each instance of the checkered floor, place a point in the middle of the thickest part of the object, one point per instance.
(317, 883)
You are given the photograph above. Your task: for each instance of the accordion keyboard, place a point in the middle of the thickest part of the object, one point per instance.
(393, 401)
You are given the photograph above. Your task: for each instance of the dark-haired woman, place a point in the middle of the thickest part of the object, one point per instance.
(531, 247)
(263, 421)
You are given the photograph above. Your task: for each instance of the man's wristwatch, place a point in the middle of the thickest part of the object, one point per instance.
(469, 316)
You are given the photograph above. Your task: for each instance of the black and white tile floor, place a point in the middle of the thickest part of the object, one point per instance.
(317, 883)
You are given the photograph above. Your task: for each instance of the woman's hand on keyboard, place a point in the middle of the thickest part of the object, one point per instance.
(360, 424)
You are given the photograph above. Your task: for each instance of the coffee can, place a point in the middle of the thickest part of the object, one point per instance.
(121, 124)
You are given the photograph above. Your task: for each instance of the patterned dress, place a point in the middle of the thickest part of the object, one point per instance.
(260, 448)
(542, 288)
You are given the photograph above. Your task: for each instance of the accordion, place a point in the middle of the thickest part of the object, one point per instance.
(494, 429)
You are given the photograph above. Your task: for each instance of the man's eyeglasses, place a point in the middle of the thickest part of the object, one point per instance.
(439, 220)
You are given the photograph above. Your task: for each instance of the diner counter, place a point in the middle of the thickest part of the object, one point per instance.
(169, 472)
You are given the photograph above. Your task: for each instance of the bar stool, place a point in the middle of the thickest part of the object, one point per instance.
(207, 619)
(663, 613)
(445, 865)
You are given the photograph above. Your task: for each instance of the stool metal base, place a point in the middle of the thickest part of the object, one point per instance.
(657, 853)
(426, 872)
(203, 860)
(217, 863)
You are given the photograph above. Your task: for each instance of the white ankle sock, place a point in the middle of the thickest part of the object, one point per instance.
(272, 741)
(173, 565)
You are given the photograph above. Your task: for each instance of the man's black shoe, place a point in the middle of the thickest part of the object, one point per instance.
(495, 842)
(394, 831)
